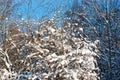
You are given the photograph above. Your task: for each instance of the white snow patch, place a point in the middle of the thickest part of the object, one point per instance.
(86, 51)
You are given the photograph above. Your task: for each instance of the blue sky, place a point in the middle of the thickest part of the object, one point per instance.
(39, 8)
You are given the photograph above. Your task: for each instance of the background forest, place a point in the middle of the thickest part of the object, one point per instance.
(59, 40)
